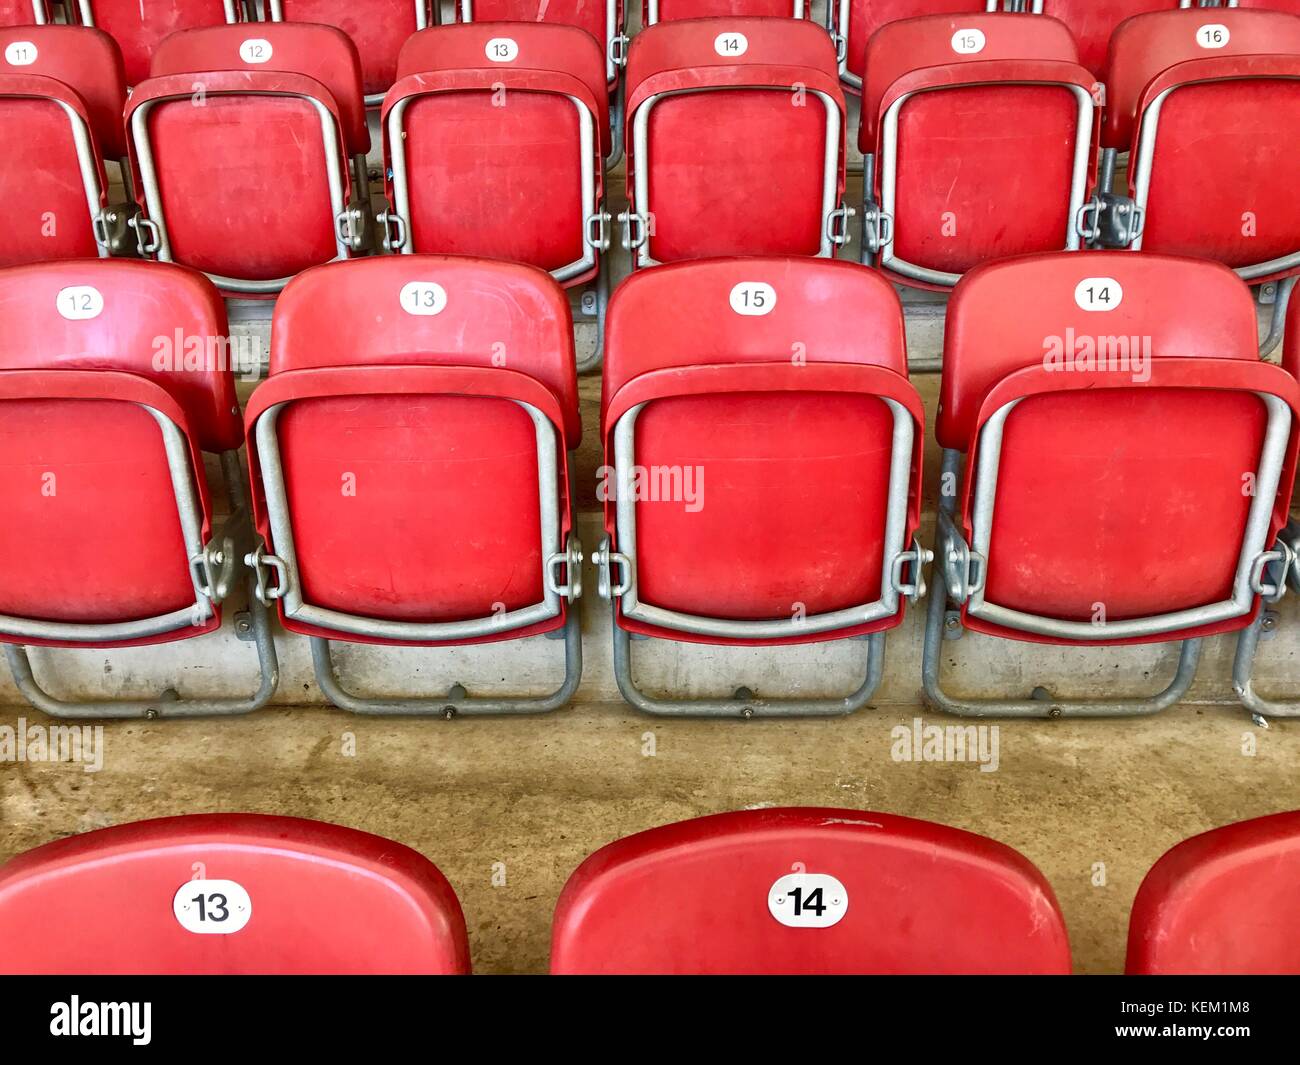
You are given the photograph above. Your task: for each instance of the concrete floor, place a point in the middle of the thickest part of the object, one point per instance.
(540, 794)
(1093, 804)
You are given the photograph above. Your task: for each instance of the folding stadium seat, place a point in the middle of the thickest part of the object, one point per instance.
(1283, 573)
(745, 402)
(852, 23)
(473, 147)
(409, 465)
(228, 894)
(139, 26)
(1098, 400)
(979, 137)
(116, 378)
(23, 13)
(808, 892)
(61, 98)
(1208, 102)
(1093, 21)
(735, 136)
(1222, 903)
(240, 145)
(653, 11)
(377, 27)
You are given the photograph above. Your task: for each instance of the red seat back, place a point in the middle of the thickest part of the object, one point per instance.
(322, 53)
(1209, 100)
(419, 503)
(229, 894)
(807, 891)
(868, 16)
(377, 27)
(1143, 48)
(23, 12)
(989, 115)
(139, 28)
(1099, 354)
(474, 169)
(770, 415)
(250, 130)
(746, 171)
(1223, 902)
(54, 82)
(594, 18)
(1093, 21)
(87, 346)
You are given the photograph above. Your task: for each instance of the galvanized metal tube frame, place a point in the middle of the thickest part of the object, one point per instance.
(1142, 187)
(894, 545)
(641, 179)
(591, 206)
(889, 179)
(1047, 707)
(336, 167)
(457, 701)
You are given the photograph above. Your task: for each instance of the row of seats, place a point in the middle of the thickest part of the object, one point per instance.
(781, 891)
(412, 481)
(973, 153)
(379, 26)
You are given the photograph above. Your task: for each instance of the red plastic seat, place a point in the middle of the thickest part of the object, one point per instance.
(1208, 101)
(114, 379)
(140, 26)
(1098, 399)
(603, 21)
(488, 120)
(1093, 21)
(653, 11)
(377, 27)
(855, 21)
(777, 391)
(228, 894)
(735, 140)
(982, 133)
(23, 13)
(410, 459)
(1223, 902)
(61, 98)
(808, 892)
(241, 144)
